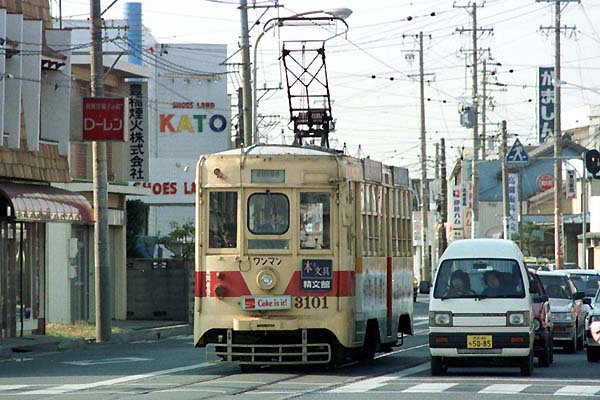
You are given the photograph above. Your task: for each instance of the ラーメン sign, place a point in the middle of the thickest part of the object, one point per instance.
(104, 118)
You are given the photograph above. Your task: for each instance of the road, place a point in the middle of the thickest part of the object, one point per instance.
(173, 369)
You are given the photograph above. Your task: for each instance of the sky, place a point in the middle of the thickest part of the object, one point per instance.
(380, 114)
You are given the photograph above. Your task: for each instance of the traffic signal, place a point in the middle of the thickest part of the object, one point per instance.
(592, 161)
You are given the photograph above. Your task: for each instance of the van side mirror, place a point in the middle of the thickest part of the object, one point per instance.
(578, 295)
(587, 300)
(424, 287)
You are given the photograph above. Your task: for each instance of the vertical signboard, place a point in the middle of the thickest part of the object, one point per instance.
(571, 187)
(513, 204)
(138, 132)
(456, 214)
(545, 103)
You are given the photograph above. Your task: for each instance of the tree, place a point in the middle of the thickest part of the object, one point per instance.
(181, 240)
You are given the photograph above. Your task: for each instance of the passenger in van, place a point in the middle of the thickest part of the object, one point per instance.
(460, 285)
(492, 280)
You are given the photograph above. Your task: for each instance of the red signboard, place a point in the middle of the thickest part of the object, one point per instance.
(104, 118)
(545, 182)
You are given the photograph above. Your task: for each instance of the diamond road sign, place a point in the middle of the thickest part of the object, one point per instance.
(517, 154)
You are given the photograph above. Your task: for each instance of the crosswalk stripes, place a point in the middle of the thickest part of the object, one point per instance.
(432, 387)
(577, 390)
(377, 385)
(501, 388)
(395, 384)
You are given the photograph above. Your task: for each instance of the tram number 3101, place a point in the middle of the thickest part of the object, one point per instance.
(310, 302)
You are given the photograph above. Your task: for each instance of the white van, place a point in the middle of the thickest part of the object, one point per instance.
(480, 310)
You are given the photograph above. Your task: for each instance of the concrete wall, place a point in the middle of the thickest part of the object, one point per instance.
(158, 289)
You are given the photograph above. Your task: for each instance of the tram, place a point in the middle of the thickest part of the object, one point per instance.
(303, 256)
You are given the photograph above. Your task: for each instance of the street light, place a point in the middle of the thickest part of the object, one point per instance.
(339, 14)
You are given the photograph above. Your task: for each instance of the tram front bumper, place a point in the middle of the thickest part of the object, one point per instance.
(229, 351)
(278, 323)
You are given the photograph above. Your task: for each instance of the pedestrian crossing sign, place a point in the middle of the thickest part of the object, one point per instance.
(517, 154)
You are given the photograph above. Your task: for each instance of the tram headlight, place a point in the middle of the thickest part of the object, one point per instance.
(266, 279)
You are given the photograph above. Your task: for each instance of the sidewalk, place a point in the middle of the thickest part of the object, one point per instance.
(133, 331)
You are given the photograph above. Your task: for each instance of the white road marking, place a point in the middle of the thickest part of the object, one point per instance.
(192, 390)
(504, 388)
(115, 381)
(401, 351)
(429, 387)
(572, 390)
(12, 387)
(374, 383)
(107, 361)
(363, 386)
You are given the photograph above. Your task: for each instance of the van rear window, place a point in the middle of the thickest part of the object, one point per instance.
(479, 278)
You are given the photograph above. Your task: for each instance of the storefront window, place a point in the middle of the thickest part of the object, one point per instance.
(222, 220)
(315, 229)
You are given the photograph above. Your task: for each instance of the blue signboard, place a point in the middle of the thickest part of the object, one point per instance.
(316, 275)
(545, 103)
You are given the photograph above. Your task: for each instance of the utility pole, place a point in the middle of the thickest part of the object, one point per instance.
(240, 134)
(505, 205)
(475, 175)
(475, 99)
(101, 259)
(437, 161)
(444, 196)
(247, 92)
(584, 214)
(483, 109)
(425, 261)
(557, 133)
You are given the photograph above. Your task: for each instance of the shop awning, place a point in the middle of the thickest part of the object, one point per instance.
(27, 202)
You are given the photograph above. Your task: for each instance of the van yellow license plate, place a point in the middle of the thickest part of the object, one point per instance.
(479, 341)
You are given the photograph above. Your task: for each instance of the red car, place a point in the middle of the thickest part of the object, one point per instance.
(543, 339)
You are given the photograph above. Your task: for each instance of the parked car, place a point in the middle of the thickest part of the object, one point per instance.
(480, 311)
(586, 281)
(592, 328)
(568, 316)
(543, 346)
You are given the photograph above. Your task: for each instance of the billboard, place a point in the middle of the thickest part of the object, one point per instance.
(104, 118)
(192, 104)
(545, 103)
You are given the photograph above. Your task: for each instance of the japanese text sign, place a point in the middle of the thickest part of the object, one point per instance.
(104, 118)
(545, 103)
(316, 275)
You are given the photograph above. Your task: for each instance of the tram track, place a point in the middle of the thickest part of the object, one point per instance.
(261, 386)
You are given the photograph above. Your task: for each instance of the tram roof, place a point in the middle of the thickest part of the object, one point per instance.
(273, 150)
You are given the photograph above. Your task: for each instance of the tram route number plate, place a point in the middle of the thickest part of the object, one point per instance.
(316, 275)
(479, 341)
(266, 302)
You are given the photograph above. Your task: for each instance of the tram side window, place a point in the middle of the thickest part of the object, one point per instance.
(222, 220)
(315, 227)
